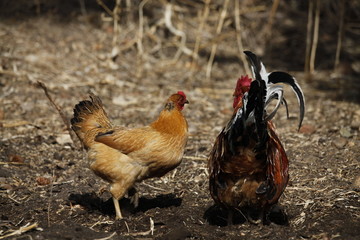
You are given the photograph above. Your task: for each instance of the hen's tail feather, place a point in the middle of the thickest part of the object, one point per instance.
(89, 115)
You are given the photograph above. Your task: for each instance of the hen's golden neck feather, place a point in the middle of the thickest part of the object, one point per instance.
(171, 121)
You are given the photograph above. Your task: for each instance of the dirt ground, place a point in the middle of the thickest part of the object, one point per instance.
(44, 177)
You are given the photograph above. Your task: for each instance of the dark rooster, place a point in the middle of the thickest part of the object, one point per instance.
(248, 164)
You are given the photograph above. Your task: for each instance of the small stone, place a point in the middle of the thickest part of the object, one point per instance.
(355, 124)
(345, 132)
(311, 159)
(356, 183)
(340, 143)
(63, 139)
(307, 129)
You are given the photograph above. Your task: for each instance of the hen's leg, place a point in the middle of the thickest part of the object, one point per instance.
(117, 209)
(118, 190)
(134, 196)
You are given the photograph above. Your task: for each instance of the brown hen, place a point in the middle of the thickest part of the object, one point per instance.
(124, 156)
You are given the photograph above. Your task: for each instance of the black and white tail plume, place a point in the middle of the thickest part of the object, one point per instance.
(276, 91)
(263, 90)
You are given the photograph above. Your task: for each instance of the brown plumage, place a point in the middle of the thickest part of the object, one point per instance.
(124, 156)
(248, 165)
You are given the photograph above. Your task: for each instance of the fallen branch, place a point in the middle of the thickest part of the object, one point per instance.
(61, 113)
(21, 230)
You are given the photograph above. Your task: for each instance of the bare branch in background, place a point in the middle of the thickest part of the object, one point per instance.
(315, 37)
(116, 18)
(239, 40)
(340, 34)
(214, 46)
(203, 19)
(172, 29)
(268, 29)
(141, 28)
(102, 4)
(309, 28)
(83, 8)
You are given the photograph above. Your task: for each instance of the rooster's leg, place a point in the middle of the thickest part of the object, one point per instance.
(117, 209)
(230, 217)
(134, 196)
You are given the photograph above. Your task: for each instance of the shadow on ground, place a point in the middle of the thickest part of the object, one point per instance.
(92, 202)
(218, 216)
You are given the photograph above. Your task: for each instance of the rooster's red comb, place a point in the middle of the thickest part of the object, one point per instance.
(243, 85)
(244, 81)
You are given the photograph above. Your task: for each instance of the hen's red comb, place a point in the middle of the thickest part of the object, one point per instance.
(181, 93)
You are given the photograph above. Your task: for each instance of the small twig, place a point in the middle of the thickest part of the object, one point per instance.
(99, 222)
(150, 231)
(21, 230)
(50, 198)
(214, 46)
(14, 123)
(61, 183)
(13, 163)
(195, 158)
(127, 226)
(10, 196)
(153, 187)
(106, 238)
(61, 113)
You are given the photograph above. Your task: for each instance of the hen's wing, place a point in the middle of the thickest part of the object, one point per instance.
(126, 140)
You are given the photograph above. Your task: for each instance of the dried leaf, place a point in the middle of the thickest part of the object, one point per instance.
(43, 181)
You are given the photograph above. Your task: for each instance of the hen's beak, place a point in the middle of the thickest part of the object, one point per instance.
(186, 102)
